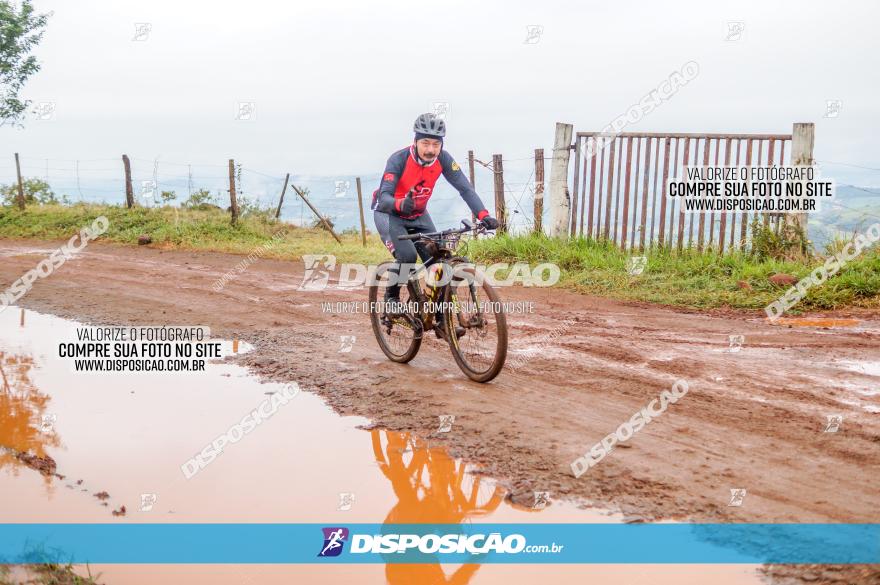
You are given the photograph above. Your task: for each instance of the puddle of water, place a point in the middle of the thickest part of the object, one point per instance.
(815, 322)
(860, 388)
(400, 574)
(128, 435)
(235, 346)
(332, 284)
(13, 252)
(867, 368)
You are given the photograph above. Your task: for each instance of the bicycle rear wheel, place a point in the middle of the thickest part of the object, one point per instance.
(399, 334)
(476, 306)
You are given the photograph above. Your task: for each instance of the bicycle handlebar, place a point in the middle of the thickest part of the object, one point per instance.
(478, 228)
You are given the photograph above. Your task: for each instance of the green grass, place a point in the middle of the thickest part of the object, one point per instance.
(188, 229)
(38, 570)
(691, 279)
(45, 574)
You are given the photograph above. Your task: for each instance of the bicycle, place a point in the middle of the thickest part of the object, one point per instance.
(452, 288)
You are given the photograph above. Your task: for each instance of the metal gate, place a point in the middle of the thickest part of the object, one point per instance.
(620, 187)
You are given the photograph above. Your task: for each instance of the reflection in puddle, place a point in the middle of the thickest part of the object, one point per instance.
(128, 435)
(430, 488)
(26, 429)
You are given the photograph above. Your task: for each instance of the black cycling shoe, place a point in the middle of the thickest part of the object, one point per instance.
(440, 329)
(392, 304)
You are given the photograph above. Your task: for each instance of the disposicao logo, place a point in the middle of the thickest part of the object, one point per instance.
(428, 544)
(334, 541)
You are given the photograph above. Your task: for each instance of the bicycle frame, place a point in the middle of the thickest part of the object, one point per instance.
(419, 294)
(442, 252)
(445, 270)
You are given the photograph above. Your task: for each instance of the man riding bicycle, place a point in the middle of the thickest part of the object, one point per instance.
(401, 201)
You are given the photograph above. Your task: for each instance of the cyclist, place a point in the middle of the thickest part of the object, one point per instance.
(400, 204)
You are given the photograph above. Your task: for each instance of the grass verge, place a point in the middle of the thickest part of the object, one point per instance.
(206, 229)
(690, 279)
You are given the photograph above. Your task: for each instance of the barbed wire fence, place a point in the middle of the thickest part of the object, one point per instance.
(158, 182)
(103, 181)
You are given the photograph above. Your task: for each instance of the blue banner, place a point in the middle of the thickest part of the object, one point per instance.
(440, 543)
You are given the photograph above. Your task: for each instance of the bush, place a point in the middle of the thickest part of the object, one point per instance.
(247, 207)
(200, 198)
(781, 241)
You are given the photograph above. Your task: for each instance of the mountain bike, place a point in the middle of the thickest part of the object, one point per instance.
(474, 323)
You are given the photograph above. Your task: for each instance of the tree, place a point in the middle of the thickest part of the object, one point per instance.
(21, 29)
(35, 191)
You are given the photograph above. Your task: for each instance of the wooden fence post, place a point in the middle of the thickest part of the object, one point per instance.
(573, 197)
(281, 201)
(129, 192)
(560, 199)
(361, 209)
(539, 190)
(233, 202)
(20, 197)
(803, 137)
(321, 217)
(472, 177)
(500, 211)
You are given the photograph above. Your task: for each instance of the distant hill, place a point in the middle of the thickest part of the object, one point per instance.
(851, 209)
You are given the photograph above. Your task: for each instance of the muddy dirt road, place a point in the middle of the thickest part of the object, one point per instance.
(753, 419)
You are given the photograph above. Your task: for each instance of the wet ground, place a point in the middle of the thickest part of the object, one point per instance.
(120, 440)
(756, 415)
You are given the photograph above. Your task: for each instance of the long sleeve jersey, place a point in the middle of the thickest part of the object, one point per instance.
(403, 172)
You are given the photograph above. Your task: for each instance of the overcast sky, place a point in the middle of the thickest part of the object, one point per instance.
(337, 84)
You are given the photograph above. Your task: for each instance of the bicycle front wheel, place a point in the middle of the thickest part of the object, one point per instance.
(399, 334)
(474, 305)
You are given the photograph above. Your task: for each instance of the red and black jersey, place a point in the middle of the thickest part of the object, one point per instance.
(403, 172)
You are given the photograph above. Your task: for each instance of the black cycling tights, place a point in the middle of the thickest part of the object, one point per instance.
(404, 251)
